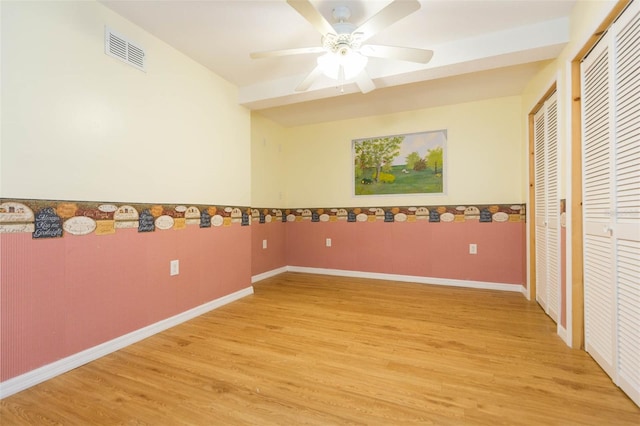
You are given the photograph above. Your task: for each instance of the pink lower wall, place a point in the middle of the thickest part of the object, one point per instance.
(60, 296)
(422, 248)
(272, 257)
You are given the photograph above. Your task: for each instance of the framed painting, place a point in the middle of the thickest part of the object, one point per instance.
(413, 163)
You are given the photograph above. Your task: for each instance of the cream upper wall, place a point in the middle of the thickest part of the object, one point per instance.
(585, 18)
(483, 157)
(268, 169)
(80, 125)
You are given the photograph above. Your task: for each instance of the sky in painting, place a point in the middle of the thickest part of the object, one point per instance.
(420, 143)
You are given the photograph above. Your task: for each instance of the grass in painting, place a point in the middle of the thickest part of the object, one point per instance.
(407, 182)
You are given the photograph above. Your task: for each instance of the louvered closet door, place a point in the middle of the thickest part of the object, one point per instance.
(540, 209)
(547, 208)
(611, 197)
(599, 288)
(553, 208)
(626, 229)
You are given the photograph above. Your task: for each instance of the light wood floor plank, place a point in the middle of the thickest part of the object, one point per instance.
(319, 350)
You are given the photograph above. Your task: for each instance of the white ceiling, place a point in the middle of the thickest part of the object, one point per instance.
(482, 49)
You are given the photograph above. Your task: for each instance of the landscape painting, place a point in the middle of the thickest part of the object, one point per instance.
(402, 164)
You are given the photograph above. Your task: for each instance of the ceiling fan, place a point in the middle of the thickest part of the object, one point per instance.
(345, 53)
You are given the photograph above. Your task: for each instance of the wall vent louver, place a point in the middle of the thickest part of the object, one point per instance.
(123, 49)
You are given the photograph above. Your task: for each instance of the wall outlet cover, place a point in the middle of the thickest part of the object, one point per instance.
(174, 267)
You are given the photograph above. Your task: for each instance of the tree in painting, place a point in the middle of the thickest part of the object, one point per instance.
(376, 153)
(434, 159)
(412, 159)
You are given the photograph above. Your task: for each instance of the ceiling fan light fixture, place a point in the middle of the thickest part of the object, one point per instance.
(351, 62)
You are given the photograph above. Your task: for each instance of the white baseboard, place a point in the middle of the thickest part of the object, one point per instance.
(411, 278)
(562, 332)
(46, 372)
(268, 274)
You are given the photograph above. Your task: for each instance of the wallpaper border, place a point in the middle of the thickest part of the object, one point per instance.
(484, 213)
(54, 219)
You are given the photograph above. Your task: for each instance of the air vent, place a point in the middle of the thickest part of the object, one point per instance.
(121, 48)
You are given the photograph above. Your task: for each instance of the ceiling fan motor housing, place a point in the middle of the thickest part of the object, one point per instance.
(343, 61)
(342, 42)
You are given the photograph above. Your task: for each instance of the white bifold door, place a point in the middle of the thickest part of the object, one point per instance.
(547, 207)
(611, 201)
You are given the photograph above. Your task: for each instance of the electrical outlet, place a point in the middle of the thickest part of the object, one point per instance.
(174, 267)
(328, 242)
(473, 249)
(264, 244)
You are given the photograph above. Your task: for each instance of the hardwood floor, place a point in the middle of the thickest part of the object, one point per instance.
(319, 350)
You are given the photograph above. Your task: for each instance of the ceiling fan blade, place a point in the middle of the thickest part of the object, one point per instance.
(409, 54)
(286, 52)
(364, 82)
(309, 79)
(395, 11)
(311, 14)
